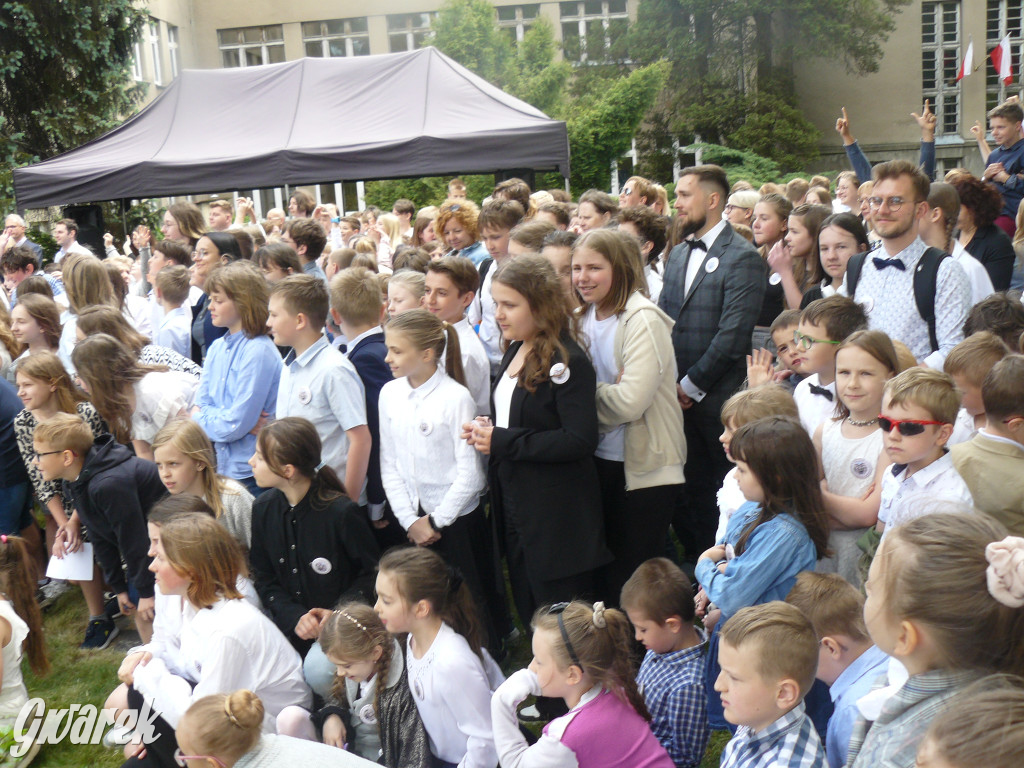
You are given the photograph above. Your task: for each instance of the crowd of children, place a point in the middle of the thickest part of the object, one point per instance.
(308, 473)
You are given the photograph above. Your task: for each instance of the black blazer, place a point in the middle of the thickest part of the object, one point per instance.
(368, 358)
(542, 471)
(991, 246)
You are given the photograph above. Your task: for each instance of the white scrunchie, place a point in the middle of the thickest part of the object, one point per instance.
(1005, 571)
(599, 620)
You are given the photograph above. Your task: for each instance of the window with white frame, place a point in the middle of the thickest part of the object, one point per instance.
(1002, 18)
(156, 51)
(594, 30)
(137, 61)
(251, 46)
(336, 37)
(941, 55)
(514, 20)
(408, 31)
(172, 50)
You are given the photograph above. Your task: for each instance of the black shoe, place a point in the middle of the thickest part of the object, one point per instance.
(99, 635)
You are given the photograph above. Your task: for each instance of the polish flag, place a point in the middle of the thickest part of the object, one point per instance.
(1002, 60)
(967, 64)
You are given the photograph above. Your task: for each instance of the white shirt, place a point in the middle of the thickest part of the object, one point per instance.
(600, 335)
(814, 409)
(228, 646)
(981, 283)
(452, 691)
(174, 331)
(137, 312)
(503, 391)
(159, 397)
(481, 312)
(321, 385)
(424, 462)
(692, 267)
(936, 488)
(888, 299)
(73, 247)
(963, 428)
(476, 365)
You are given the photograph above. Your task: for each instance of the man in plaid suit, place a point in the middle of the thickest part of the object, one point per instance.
(714, 285)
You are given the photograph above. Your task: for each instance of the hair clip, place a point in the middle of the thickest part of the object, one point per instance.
(1005, 572)
(230, 714)
(455, 207)
(320, 466)
(354, 620)
(3, 537)
(599, 620)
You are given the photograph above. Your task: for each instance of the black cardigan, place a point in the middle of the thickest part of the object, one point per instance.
(542, 470)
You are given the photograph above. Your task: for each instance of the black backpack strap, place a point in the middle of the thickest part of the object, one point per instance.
(485, 267)
(853, 268)
(926, 277)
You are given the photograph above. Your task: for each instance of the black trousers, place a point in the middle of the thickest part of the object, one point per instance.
(696, 517)
(160, 752)
(635, 524)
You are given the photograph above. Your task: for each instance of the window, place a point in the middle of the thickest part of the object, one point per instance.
(940, 62)
(408, 31)
(251, 46)
(172, 50)
(155, 51)
(337, 37)
(516, 19)
(1003, 17)
(137, 61)
(594, 30)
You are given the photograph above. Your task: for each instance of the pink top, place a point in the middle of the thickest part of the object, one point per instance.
(607, 731)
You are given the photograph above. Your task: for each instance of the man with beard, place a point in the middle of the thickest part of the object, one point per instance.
(714, 286)
(885, 286)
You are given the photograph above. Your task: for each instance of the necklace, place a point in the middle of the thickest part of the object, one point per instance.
(868, 423)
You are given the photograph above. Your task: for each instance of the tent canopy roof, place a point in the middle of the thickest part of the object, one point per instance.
(397, 115)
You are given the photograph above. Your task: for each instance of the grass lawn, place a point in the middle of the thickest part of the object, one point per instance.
(79, 677)
(76, 677)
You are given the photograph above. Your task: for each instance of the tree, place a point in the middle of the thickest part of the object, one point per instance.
(64, 75)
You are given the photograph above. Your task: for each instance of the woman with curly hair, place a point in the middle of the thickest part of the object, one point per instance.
(980, 204)
(457, 224)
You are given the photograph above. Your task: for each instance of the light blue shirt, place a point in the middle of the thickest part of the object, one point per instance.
(855, 682)
(776, 551)
(175, 331)
(323, 386)
(239, 382)
(313, 268)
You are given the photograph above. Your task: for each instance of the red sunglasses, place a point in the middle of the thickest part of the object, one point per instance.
(906, 427)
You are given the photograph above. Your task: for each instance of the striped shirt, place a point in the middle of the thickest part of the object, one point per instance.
(789, 742)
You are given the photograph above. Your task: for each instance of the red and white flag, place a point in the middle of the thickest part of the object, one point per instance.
(1002, 60)
(967, 64)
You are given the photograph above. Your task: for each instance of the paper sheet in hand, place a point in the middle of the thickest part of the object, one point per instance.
(76, 566)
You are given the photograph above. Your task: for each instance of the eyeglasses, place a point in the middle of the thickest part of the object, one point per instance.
(806, 342)
(894, 203)
(906, 427)
(36, 455)
(557, 610)
(180, 758)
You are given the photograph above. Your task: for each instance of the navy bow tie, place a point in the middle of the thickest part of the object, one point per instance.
(816, 390)
(698, 245)
(883, 263)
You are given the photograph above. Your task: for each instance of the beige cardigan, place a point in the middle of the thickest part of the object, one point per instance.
(644, 398)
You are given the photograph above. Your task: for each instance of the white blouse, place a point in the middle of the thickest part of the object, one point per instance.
(159, 397)
(424, 462)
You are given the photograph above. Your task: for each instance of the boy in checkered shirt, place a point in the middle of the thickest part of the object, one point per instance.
(658, 599)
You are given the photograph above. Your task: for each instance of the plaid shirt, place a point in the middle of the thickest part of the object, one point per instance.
(892, 740)
(672, 685)
(789, 742)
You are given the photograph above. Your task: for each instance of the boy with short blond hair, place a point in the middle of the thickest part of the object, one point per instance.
(452, 282)
(317, 382)
(992, 464)
(769, 655)
(456, 189)
(658, 600)
(357, 307)
(969, 363)
(171, 292)
(848, 662)
(918, 411)
(497, 220)
(113, 491)
(824, 324)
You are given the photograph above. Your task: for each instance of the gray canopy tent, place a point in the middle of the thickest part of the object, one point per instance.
(397, 115)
